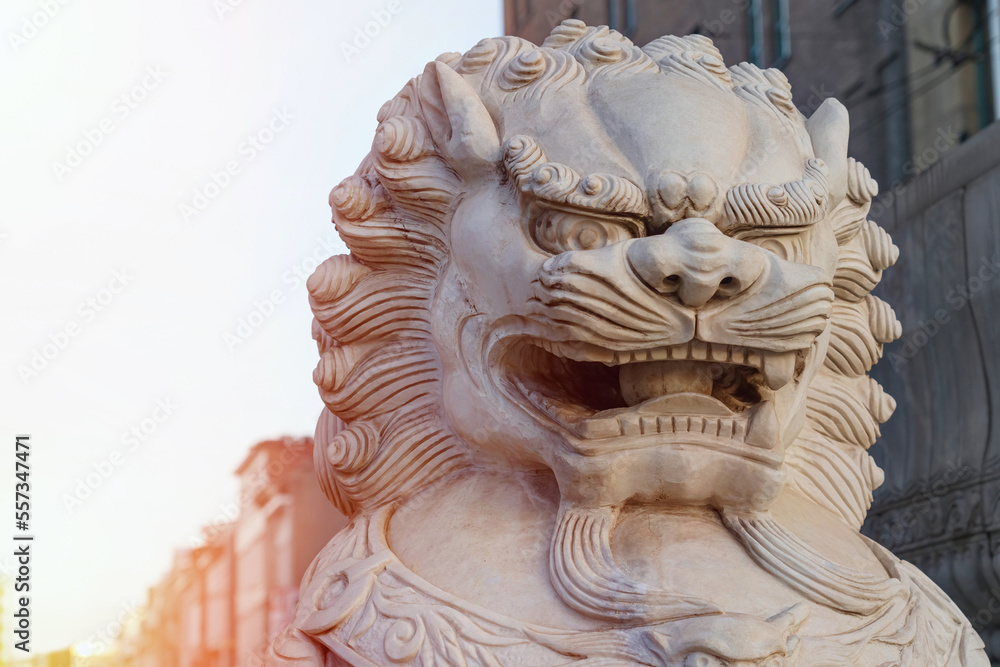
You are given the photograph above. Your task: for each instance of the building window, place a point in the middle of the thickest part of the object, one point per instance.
(623, 16)
(778, 40)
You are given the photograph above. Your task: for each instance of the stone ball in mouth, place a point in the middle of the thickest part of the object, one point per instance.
(737, 386)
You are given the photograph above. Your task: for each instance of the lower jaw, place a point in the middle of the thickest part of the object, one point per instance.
(695, 470)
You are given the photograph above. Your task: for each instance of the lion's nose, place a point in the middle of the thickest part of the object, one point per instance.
(696, 263)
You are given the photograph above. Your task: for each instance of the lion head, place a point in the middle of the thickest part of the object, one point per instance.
(636, 268)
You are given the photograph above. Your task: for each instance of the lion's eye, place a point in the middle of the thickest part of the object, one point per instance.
(561, 231)
(792, 246)
(699, 659)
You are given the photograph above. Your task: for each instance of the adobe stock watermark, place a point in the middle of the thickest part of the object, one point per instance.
(894, 531)
(121, 108)
(247, 152)
(129, 441)
(363, 35)
(230, 511)
(41, 357)
(560, 13)
(223, 8)
(817, 96)
(727, 17)
(8, 569)
(292, 279)
(946, 139)
(32, 24)
(957, 298)
(899, 14)
(986, 616)
(104, 639)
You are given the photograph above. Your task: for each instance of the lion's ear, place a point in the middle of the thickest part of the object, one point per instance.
(459, 123)
(829, 129)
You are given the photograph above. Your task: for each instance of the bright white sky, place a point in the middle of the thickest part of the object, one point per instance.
(66, 233)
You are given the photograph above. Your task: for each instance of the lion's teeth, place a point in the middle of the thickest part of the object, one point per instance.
(719, 352)
(754, 359)
(647, 424)
(699, 350)
(641, 425)
(606, 357)
(762, 428)
(599, 428)
(778, 368)
(629, 424)
(658, 354)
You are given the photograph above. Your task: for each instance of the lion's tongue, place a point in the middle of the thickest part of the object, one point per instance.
(642, 382)
(684, 404)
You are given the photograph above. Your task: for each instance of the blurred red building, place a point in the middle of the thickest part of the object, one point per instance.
(223, 601)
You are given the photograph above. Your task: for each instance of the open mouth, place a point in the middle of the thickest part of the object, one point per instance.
(693, 392)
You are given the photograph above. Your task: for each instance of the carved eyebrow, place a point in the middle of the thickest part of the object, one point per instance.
(559, 184)
(793, 204)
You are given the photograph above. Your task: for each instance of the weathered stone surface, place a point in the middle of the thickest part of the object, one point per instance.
(596, 375)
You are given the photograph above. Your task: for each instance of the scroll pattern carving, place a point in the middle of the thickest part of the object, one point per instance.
(799, 202)
(367, 597)
(558, 183)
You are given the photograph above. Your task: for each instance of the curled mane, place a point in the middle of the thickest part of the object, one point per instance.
(829, 461)
(383, 433)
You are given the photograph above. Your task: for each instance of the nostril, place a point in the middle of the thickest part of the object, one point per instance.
(729, 286)
(671, 283)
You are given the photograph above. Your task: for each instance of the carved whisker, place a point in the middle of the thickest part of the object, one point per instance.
(586, 577)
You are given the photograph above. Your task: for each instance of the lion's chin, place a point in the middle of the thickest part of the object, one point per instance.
(695, 471)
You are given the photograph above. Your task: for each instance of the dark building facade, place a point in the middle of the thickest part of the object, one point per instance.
(940, 504)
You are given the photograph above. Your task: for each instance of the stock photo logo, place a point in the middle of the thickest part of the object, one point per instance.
(292, 280)
(130, 441)
(61, 339)
(957, 298)
(123, 107)
(363, 35)
(247, 151)
(34, 23)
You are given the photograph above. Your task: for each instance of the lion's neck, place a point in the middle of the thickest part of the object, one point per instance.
(486, 538)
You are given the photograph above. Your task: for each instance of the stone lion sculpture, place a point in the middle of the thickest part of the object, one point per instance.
(595, 372)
